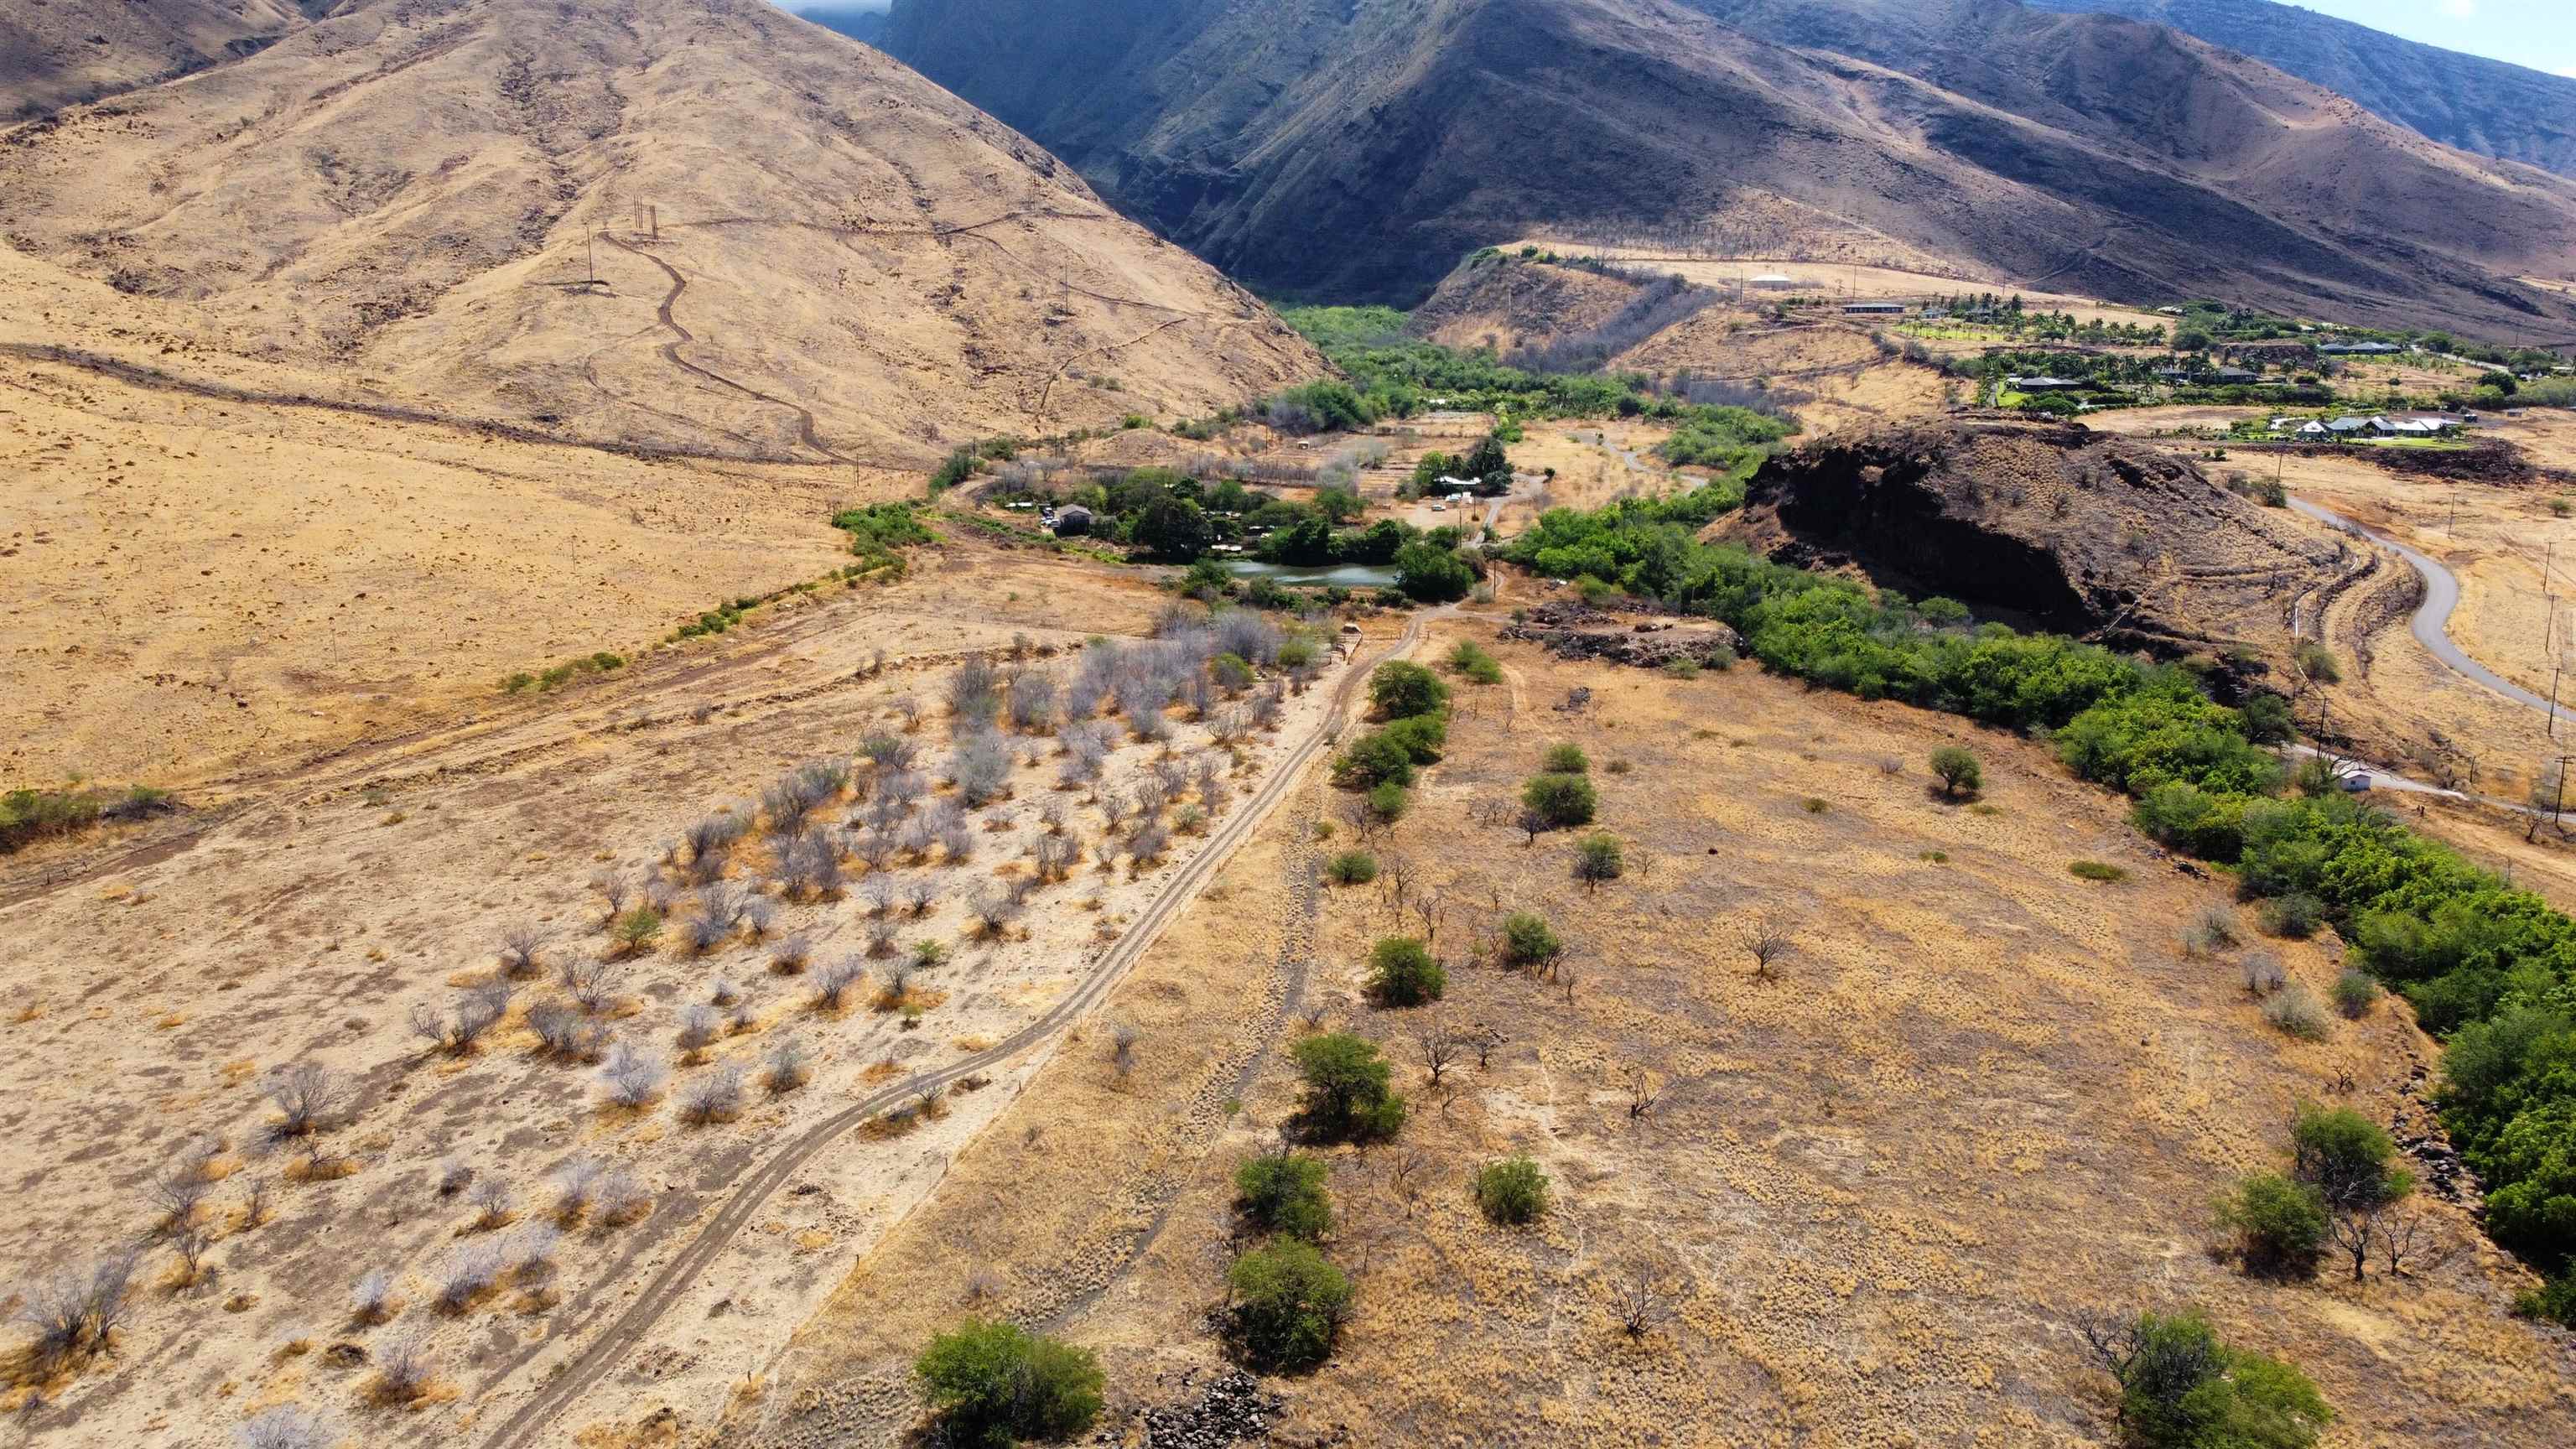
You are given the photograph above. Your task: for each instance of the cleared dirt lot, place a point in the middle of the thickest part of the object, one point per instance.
(1983, 1095)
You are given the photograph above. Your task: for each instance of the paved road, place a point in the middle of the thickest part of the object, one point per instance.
(2432, 621)
(543, 1411)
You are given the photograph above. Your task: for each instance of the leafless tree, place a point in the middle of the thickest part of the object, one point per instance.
(1484, 1039)
(919, 896)
(492, 1202)
(1404, 1171)
(256, 1207)
(466, 1275)
(994, 912)
(178, 1193)
(632, 1077)
(564, 1034)
(519, 946)
(309, 1097)
(453, 1176)
(404, 1370)
(577, 1189)
(833, 984)
(2409, 1236)
(592, 984)
(1439, 1043)
(616, 891)
(1122, 1049)
(1641, 1304)
(698, 1029)
(1767, 940)
(190, 1244)
(789, 956)
(1643, 1093)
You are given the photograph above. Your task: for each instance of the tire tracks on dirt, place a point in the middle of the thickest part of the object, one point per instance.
(681, 1273)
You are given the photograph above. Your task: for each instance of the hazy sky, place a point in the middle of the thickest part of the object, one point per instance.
(2537, 33)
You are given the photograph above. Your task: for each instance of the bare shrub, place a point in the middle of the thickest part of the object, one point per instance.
(190, 1245)
(1640, 1303)
(722, 992)
(698, 1029)
(833, 984)
(1767, 940)
(714, 1097)
(919, 896)
(577, 1185)
(519, 946)
(453, 1176)
(372, 1299)
(256, 1206)
(889, 752)
(1056, 855)
(404, 1371)
(1032, 702)
(881, 936)
(711, 842)
(1122, 1048)
(532, 1252)
(2262, 973)
(898, 985)
(1440, 1044)
(974, 692)
(309, 1097)
(467, 1274)
(631, 1077)
(283, 1427)
(622, 1197)
(2295, 1011)
(703, 934)
(1149, 844)
(615, 890)
(788, 1065)
(75, 1310)
(565, 1034)
(178, 1194)
(492, 1202)
(789, 957)
(878, 895)
(758, 916)
(994, 912)
(476, 1013)
(801, 792)
(592, 985)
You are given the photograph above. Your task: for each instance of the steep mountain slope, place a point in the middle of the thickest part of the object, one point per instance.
(2505, 111)
(867, 25)
(803, 251)
(55, 53)
(1321, 147)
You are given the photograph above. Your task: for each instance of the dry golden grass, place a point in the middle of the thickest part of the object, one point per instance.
(1981, 1096)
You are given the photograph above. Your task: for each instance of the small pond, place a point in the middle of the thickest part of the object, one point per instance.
(1316, 576)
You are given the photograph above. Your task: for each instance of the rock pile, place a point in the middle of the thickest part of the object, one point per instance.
(1578, 631)
(1231, 1409)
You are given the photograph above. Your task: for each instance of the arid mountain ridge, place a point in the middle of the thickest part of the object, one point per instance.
(2510, 112)
(1336, 150)
(695, 226)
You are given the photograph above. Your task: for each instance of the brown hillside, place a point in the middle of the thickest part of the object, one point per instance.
(55, 53)
(848, 262)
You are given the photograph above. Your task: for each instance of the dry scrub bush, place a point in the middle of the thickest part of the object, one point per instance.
(593, 985)
(519, 946)
(532, 1252)
(467, 1275)
(493, 1203)
(371, 1300)
(698, 1029)
(2296, 1011)
(631, 1077)
(565, 1034)
(453, 1176)
(404, 1371)
(2262, 973)
(77, 1311)
(833, 983)
(283, 1427)
(309, 1097)
(577, 1185)
(715, 1097)
(790, 957)
(788, 1066)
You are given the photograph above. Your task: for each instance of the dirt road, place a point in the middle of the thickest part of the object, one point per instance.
(2431, 624)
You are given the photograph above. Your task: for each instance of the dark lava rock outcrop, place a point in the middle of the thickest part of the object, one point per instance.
(2051, 526)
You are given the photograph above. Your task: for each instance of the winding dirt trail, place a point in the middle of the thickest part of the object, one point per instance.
(640, 1317)
(805, 426)
(2432, 622)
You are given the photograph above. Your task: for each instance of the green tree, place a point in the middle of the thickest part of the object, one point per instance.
(1346, 1087)
(2181, 1388)
(1289, 1304)
(1433, 575)
(997, 1384)
(1403, 972)
(1400, 689)
(2280, 1224)
(1511, 1191)
(1284, 1193)
(1174, 529)
(1566, 760)
(1374, 759)
(1597, 858)
(1561, 801)
(1958, 771)
(1338, 505)
(1528, 940)
(2346, 1157)
(1489, 465)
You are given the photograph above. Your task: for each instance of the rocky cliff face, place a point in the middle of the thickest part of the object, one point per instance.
(2047, 525)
